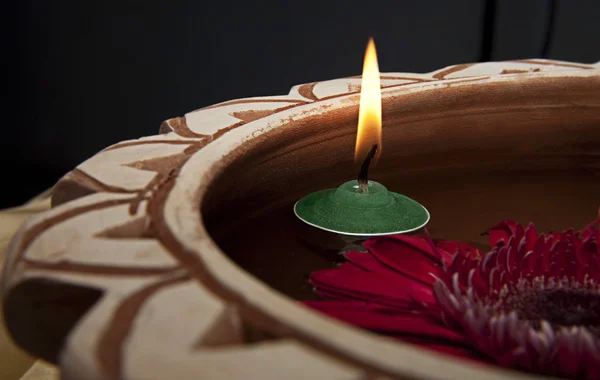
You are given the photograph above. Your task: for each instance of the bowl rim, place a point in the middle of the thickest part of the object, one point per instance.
(173, 203)
(264, 303)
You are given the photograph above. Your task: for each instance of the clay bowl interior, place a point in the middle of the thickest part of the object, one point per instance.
(472, 155)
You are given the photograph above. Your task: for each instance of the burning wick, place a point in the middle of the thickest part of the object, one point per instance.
(347, 210)
(368, 134)
(363, 175)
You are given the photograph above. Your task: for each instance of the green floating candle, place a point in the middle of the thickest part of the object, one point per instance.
(347, 211)
(363, 207)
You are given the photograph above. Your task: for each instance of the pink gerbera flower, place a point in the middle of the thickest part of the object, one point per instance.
(531, 303)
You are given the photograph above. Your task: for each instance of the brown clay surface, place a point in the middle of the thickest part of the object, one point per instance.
(471, 145)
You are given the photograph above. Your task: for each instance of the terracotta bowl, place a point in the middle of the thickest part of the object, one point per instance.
(178, 255)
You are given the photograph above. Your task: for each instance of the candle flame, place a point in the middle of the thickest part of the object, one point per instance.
(369, 113)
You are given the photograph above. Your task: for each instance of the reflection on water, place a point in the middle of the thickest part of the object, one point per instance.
(282, 251)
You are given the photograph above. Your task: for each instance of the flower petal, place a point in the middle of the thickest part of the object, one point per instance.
(460, 310)
(374, 287)
(367, 262)
(407, 255)
(418, 243)
(450, 247)
(590, 227)
(388, 320)
(531, 237)
(502, 232)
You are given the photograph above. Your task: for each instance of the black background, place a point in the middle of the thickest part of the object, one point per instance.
(81, 75)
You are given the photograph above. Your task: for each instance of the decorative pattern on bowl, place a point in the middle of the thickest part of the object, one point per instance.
(121, 279)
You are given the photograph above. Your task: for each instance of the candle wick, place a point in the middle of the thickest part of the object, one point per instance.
(363, 175)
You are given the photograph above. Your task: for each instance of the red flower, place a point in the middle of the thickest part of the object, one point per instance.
(531, 303)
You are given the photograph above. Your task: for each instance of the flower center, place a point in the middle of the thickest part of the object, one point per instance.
(562, 304)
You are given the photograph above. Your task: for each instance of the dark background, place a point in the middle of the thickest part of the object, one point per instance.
(81, 75)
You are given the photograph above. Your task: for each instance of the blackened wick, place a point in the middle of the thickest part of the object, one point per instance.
(363, 175)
